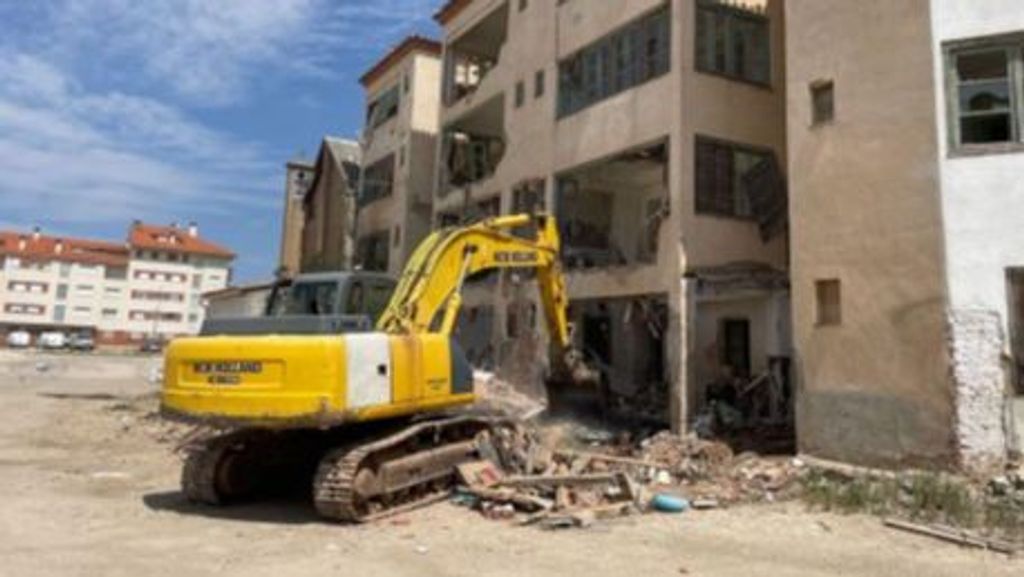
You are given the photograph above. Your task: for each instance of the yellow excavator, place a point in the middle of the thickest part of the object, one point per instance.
(366, 415)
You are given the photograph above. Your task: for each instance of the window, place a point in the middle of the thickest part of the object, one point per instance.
(538, 84)
(1015, 288)
(85, 290)
(378, 180)
(112, 291)
(193, 318)
(629, 57)
(197, 281)
(81, 311)
(109, 314)
(829, 304)
(65, 269)
(724, 175)
(62, 291)
(823, 102)
(986, 92)
(384, 108)
(405, 83)
(520, 94)
(58, 313)
(522, 5)
(733, 41)
(396, 237)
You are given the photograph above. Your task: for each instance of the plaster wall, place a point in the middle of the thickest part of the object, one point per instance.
(865, 209)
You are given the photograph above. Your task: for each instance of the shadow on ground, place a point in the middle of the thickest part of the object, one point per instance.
(281, 510)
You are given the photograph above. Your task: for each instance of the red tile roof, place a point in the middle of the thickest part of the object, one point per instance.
(450, 10)
(173, 239)
(408, 46)
(31, 247)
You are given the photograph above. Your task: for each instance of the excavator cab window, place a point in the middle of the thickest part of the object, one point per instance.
(319, 298)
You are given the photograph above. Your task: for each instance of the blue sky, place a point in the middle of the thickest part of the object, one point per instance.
(179, 110)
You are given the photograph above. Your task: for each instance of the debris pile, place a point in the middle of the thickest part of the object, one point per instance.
(528, 474)
(499, 396)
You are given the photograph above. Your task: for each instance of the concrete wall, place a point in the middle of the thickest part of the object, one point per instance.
(865, 209)
(983, 196)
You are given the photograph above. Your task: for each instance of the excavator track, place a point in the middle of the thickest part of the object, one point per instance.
(242, 464)
(405, 470)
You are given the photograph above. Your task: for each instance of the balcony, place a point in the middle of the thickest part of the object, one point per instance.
(471, 57)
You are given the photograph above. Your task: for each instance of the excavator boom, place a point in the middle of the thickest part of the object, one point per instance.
(428, 294)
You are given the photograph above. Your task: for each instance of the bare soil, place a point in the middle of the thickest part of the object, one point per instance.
(90, 488)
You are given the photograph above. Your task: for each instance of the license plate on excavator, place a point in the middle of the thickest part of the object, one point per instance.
(226, 373)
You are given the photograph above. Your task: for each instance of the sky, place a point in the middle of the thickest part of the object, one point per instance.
(179, 110)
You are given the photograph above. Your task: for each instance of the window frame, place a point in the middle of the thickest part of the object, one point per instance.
(734, 147)
(596, 72)
(730, 13)
(1013, 45)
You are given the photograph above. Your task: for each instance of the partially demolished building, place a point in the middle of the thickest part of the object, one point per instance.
(655, 131)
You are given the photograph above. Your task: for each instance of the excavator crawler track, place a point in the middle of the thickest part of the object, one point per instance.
(243, 464)
(405, 470)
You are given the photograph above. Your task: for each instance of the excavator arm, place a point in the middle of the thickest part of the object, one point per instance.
(428, 296)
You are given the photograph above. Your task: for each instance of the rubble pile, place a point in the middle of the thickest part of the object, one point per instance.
(499, 396)
(536, 477)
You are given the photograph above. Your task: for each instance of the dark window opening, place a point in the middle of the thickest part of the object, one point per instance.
(734, 341)
(823, 102)
(1015, 286)
(828, 296)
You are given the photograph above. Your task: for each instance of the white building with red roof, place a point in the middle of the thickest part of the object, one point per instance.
(149, 285)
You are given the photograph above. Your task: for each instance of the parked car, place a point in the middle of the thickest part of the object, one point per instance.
(152, 345)
(81, 342)
(19, 339)
(52, 341)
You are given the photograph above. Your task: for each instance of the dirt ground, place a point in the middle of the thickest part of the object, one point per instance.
(90, 488)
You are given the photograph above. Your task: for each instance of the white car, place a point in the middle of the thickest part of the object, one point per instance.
(52, 341)
(19, 339)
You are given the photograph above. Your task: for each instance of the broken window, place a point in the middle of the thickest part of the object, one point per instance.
(630, 56)
(733, 41)
(828, 297)
(738, 181)
(474, 146)
(986, 88)
(384, 108)
(469, 58)
(823, 102)
(610, 212)
(378, 180)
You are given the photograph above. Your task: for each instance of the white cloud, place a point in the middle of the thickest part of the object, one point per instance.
(209, 51)
(77, 156)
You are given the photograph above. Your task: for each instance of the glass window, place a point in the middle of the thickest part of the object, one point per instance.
(312, 299)
(630, 56)
(984, 95)
(823, 101)
(378, 180)
(59, 312)
(384, 108)
(733, 41)
(723, 175)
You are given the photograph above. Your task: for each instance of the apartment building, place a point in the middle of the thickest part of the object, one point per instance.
(906, 134)
(298, 176)
(654, 130)
(150, 284)
(328, 207)
(400, 138)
